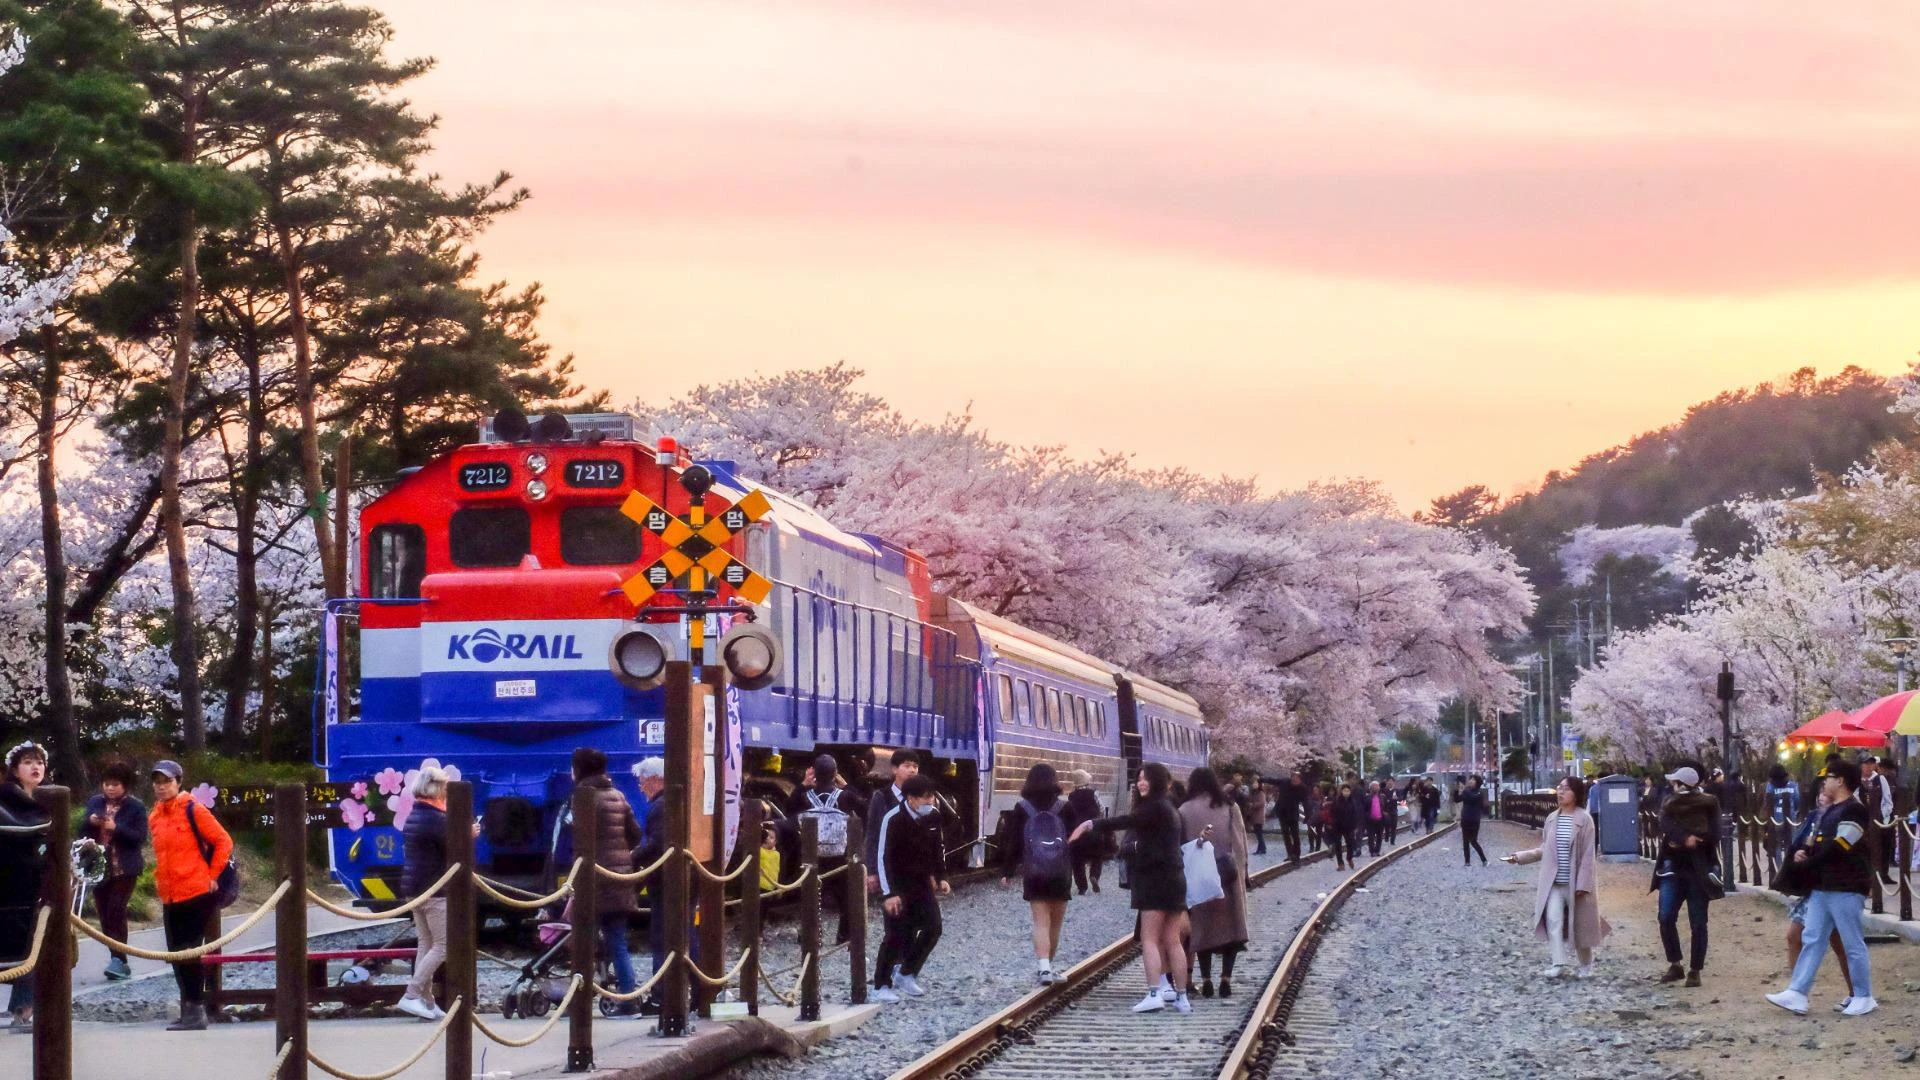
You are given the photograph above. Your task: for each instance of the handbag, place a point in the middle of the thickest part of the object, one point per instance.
(1202, 871)
(226, 886)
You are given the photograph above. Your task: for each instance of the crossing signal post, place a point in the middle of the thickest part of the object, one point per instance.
(694, 565)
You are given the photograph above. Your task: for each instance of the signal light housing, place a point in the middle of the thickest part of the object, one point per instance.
(751, 654)
(638, 655)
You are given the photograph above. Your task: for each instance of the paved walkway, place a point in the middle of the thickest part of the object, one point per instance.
(372, 1046)
(89, 976)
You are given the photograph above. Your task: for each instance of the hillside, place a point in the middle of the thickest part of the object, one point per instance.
(1763, 441)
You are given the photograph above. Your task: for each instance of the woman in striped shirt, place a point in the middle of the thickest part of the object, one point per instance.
(1567, 892)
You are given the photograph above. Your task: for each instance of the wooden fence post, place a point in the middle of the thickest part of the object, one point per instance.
(53, 978)
(1905, 854)
(855, 898)
(586, 925)
(751, 816)
(462, 978)
(671, 880)
(290, 929)
(810, 918)
(1878, 840)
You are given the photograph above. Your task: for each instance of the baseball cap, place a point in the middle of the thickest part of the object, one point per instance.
(167, 768)
(1686, 775)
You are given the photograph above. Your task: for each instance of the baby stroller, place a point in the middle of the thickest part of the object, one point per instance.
(542, 982)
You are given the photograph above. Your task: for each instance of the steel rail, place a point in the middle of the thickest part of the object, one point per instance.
(1252, 1057)
(960, 1056)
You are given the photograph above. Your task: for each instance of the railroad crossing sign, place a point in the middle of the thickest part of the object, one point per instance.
(696, 548)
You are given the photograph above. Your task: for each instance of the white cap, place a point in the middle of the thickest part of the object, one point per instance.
(1685, 775)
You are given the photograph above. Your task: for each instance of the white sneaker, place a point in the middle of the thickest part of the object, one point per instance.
(1584, 971)
(1792, 1000)
(414, 1006)
(1044, 977)
(1181, 1005)
(1551, 971)
(884, 995)
(1841, 1005)
(1859, 1006)
(1150, 1003)
(1167, 992)
(908, 985)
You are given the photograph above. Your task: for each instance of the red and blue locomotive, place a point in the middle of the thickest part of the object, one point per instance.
(490, 596)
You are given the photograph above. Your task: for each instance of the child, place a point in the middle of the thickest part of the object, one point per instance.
(769, 859)
(912, 879)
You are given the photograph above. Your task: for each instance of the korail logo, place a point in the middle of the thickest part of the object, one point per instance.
(487, 645)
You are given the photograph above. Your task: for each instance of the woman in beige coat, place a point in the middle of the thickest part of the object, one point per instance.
(1218, 927)
(1566, 899)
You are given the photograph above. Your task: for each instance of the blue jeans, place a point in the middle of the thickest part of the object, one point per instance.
(1673, 891)
(1828, 912)
(613, 938)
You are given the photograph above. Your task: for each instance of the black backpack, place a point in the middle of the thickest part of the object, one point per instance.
(226, 887)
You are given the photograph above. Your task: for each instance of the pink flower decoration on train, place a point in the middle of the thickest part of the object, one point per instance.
(390, 781)
(354, 814)
(402, 806)
(204, 794)
(360, 790)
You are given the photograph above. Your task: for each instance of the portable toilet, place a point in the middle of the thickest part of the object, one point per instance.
(1614, 802)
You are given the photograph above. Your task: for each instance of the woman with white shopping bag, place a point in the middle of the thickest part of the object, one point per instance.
(1159, 885)
(1218, 919)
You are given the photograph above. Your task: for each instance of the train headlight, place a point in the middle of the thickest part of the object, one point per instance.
(638, 655)
(536, 463)
(751, 655)
(536, 490)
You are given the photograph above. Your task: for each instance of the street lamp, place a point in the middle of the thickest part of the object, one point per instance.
(1901, 646)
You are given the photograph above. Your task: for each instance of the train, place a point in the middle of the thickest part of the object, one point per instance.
(489, 595)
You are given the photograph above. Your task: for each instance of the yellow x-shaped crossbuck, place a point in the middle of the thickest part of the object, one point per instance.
(696, 548)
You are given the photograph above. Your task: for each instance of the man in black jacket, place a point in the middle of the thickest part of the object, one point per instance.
(1834, 866)
(905, 766)
(912, 880)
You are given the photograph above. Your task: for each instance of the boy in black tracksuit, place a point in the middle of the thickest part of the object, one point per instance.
(912, 879)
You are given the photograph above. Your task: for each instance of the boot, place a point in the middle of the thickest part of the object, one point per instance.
(1674, 974)
(1693, 977)
(1226, 986)
(193, 1017)
(1206, 987)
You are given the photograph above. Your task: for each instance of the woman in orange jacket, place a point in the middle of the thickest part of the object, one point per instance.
(186, 870)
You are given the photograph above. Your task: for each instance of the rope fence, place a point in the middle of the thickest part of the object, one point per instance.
(559, 1014)
(788, 997)
(721, 879)
(638, 992)
(25, 967)
(181, 956)
(534, 903)
(439, 1029)
(728, 979)
(392, 913)
(637, 876)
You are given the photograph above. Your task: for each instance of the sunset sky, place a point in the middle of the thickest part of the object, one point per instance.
(1430, 244)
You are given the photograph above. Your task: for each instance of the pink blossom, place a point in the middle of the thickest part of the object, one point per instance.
(391, 781)
(402, 806)
(354, 814)
(360, 790)
(204, 795)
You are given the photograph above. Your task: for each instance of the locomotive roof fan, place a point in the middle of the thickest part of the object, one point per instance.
(511, 425)
(638, 656)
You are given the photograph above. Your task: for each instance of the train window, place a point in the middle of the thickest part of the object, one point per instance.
(1023, 704)
(1099, 719)
(493, 536)
(598, 536)
(399, 561)
(1053, 710)
(1077, 712)
(1006, 701)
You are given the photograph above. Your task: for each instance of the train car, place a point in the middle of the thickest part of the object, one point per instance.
(1044, 700)
(1159, 723)
(489, 597)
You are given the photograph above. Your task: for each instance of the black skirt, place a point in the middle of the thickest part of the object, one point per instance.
(1040, 888)
(1159, 889)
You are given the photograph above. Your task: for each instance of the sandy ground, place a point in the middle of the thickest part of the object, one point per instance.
(1725, 1029)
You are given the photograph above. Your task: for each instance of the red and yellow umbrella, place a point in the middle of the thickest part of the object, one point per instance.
(1895, 714)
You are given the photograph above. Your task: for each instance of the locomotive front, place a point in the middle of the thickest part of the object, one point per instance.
(491, 579)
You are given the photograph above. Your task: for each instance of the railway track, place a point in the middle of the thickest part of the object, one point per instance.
(1082, 1025)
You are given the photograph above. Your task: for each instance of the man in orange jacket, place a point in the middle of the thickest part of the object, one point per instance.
(190, 849)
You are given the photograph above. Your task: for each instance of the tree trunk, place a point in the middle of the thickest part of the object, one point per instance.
(66, 733)
(246, 559)
(312, 480)
(186, 651)
(266, 685)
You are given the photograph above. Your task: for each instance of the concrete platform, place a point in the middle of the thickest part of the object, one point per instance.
(113, 1051)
